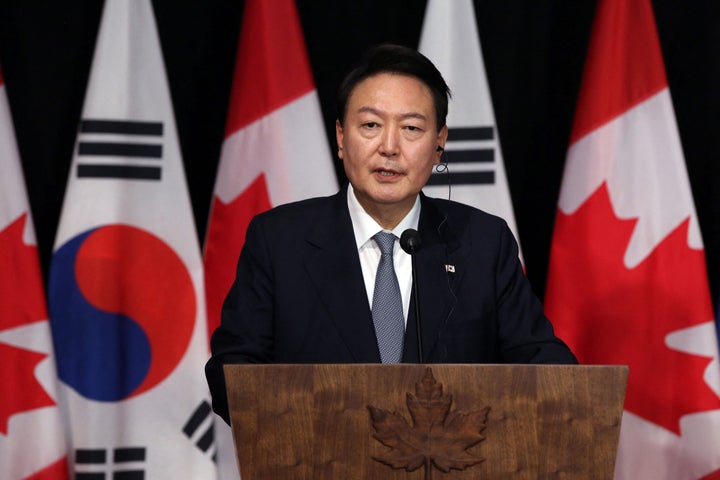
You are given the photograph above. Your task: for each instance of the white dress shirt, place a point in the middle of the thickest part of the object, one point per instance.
(365, 227)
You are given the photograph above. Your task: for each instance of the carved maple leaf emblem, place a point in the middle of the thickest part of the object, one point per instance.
(611, 314)
(438, 437)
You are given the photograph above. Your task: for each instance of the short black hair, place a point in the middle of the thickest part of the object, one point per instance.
(389, 58)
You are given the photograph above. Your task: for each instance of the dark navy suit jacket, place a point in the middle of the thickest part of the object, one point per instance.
(299, 295)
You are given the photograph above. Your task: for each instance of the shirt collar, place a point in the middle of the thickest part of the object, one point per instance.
(365, 226)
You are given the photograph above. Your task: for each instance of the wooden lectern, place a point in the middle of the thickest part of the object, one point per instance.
(409, 421)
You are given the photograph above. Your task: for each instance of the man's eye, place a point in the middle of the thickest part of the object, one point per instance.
(370, 124)
(413, 129)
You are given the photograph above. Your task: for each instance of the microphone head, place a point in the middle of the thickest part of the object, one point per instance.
(410, 241)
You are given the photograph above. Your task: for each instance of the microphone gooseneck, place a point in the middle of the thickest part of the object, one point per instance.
(410, 242)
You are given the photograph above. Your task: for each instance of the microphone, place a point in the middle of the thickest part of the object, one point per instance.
(410, 242)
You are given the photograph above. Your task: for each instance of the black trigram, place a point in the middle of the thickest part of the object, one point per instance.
(200, 428)
(125, 160)
(93, 464)
(471, 151)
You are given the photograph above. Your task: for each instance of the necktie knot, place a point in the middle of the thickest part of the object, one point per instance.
(386, 242)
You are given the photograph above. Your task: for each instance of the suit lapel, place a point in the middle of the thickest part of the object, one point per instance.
(335, 271)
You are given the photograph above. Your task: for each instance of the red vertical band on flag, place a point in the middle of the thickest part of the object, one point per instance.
(623, 65)
(271, 47)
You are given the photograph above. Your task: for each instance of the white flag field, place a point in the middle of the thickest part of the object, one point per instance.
(126, 282)
(477, 177)
(32, 438)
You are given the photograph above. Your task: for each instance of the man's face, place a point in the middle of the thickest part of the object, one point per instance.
(388, 143)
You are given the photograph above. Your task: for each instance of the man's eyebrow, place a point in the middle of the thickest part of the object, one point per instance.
(403, 116)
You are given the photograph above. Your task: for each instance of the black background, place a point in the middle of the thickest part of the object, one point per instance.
(534, 52)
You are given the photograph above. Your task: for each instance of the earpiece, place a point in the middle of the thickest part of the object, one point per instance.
(439, 149)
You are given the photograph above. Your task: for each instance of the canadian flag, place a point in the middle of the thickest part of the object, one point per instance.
(32, 438)
(275, 151)
(627, 278)
(476, 171)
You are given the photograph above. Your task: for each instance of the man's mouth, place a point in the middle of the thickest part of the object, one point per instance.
(386, 173)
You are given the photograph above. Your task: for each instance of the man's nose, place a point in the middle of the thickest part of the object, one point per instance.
(389, 143)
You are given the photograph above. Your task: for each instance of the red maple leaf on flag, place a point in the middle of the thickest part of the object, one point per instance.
(225, 239)
(23, 301)
(21, 390)
(22, 304)
(611, 314)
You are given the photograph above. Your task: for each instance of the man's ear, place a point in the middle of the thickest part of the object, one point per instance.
(442, 137)
(441, 140)
(339, 134)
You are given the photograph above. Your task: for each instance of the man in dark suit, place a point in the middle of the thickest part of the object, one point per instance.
(306, 291)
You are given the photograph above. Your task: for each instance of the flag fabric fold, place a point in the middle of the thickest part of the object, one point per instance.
(275, 149)
(33, 441)
(627, 280)
(477, 177)
(125, 292)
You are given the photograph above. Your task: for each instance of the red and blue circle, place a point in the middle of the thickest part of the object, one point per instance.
(122, 310)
